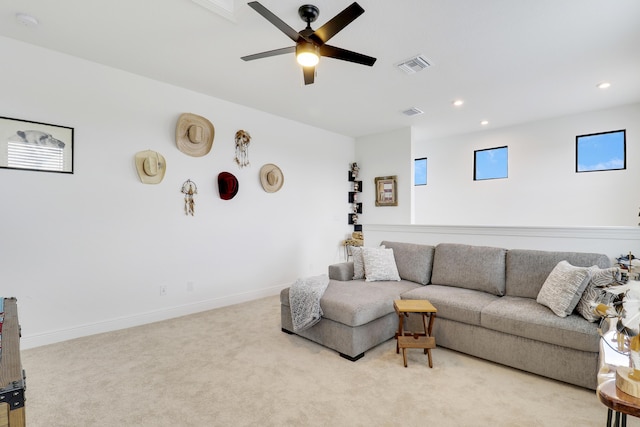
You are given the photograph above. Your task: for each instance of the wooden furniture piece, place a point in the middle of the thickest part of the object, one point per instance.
(611, 361)
(12, 383)
(422, 340)
(620, 402)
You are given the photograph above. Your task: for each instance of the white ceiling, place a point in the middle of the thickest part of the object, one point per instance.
(512, 61)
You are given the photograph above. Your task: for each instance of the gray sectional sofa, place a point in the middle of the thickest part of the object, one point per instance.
(487, 308)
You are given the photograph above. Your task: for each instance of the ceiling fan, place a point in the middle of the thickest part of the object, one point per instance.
(310, 44)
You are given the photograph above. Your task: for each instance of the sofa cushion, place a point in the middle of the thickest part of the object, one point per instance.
(473, 267)
(563, 288)
(528, 269)
(379, 264)
(526, 318)
(356, 302)
(459, 304)
(414, 261)
(341, 271)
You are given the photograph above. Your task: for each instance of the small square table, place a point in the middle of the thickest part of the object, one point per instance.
(422, 340)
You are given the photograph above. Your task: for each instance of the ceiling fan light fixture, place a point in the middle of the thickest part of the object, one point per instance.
(307, 54)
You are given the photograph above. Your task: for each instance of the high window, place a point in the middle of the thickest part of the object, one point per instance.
(420, 171)
(601, 151)
(490, 163)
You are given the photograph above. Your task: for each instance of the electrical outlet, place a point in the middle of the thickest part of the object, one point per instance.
(163, 290)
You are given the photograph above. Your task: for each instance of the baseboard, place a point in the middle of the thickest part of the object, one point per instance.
(37, 340)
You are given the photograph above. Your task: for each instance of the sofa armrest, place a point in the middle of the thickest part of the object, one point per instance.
(342, 271)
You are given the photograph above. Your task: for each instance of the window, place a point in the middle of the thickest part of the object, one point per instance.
(601, 151)
(490, 163)
(420, 171)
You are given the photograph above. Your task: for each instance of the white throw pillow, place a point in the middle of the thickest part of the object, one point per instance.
(563, 288)
(379, 264)
(594, 294)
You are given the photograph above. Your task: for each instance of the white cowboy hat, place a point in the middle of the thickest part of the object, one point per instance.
(271, 178)
(194, 135)
(151, 166)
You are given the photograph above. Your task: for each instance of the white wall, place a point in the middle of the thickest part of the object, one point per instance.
(88, 252)
(385, 154)
(543, 188)
(611, 241)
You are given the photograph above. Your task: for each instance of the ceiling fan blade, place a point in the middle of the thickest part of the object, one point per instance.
(346, 55)
(269, 53)
(337, 23)
(279, 23)
(309, 74)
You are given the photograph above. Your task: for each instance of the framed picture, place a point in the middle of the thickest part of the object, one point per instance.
(386, 191)
(35, 146)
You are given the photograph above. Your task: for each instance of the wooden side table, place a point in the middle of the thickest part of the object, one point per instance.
(620, 402)
(616, 400)
(422, 340)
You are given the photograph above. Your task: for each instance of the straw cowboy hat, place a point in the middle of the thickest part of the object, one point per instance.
(227, 185)
(271, 178)
(151, 166)
(194, 135)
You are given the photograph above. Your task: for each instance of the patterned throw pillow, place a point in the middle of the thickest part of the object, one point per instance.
(563, 288)
(379, 264)
(594, 294)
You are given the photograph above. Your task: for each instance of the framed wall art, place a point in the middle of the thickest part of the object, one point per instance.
(386, 191)
(35, 146)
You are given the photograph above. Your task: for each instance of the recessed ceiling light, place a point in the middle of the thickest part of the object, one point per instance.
(26, 20)
(484, 122)
(458, 102)
(603, 85)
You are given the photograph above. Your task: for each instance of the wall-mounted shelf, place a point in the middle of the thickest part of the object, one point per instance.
(354, 198)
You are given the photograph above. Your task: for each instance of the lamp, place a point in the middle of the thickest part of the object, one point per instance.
(307, 54)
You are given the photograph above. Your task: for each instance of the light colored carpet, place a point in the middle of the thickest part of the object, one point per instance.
(233, 366)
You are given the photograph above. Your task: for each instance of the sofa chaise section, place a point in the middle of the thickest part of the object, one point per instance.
(357, 315)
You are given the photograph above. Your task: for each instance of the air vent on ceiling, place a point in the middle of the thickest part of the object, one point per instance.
(413, 111)
(413, 65)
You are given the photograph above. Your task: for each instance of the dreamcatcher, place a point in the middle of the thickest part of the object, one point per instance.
(189, 189)
(242, 148)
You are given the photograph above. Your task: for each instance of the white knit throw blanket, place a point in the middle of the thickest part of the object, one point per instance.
(304, 301)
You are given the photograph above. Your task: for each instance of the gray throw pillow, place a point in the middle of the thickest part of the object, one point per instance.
(563, 288)
(358, 262)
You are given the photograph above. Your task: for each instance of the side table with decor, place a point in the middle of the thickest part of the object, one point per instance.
(618, 374)
(614, 360)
